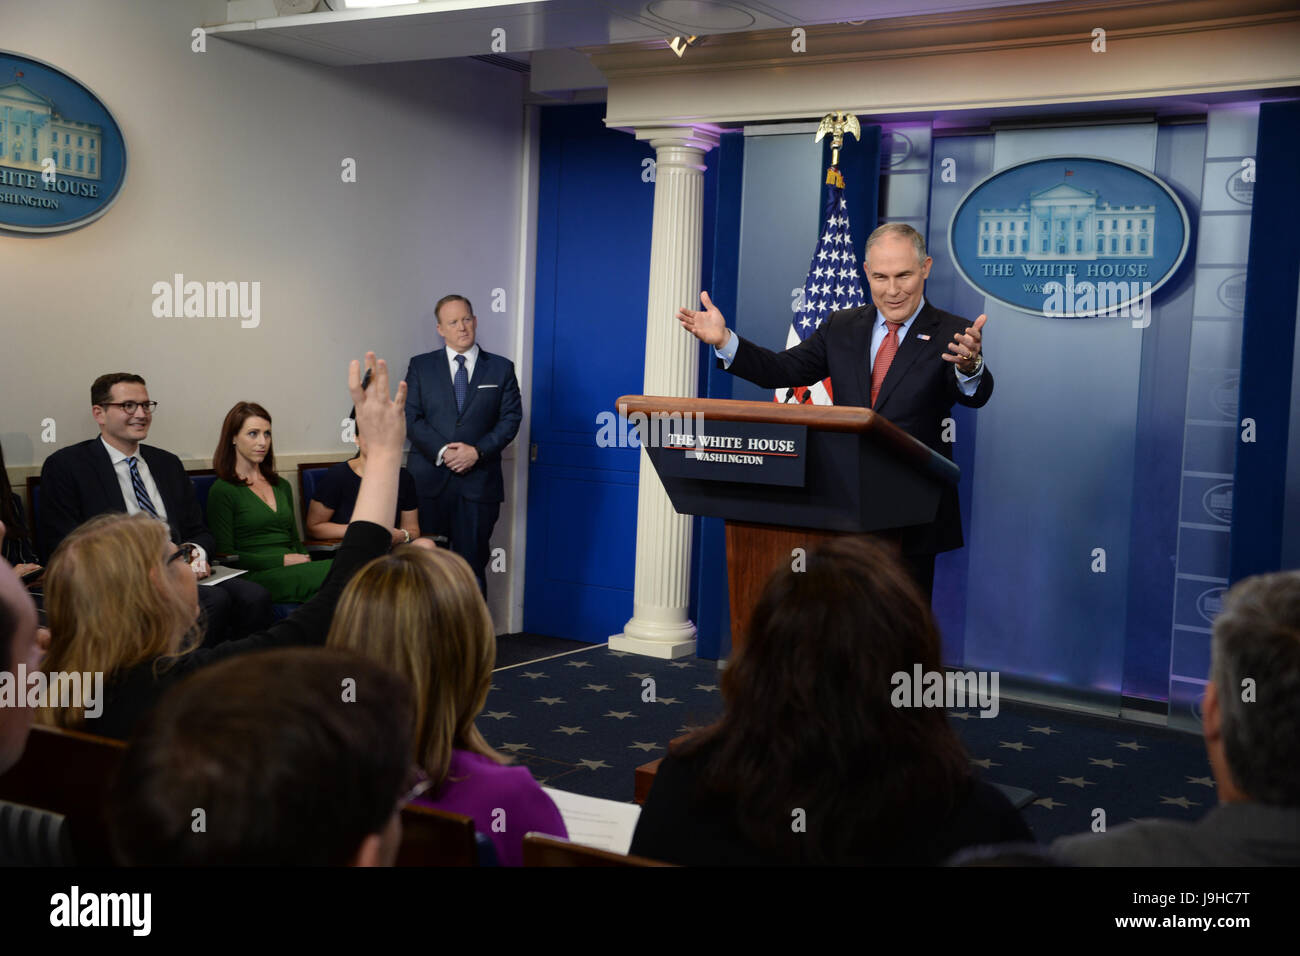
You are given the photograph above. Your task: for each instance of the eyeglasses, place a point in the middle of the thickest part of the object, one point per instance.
(417, 782)
(458, 324)
(130, 407)
(185, 551)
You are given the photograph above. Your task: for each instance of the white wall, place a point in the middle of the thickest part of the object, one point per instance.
(233, 173)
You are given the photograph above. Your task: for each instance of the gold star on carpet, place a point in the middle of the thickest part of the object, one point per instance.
(597, 687)
(1131, 745)
(1107, 763)
(1076, 782)
(1048, 802)
(1016, 746)
(619, 653)
(1043, 730)
(986, 763)
(498, 714)
(515, 748)
(680, 664)
(620, 714)
(961, 714)
(549, 700)
(568, 730)
(593, 764)
(533, 675)
(637, 745)
(638, 676)
(577, 664)
(1179, 802)
(709, 687)
(668, 700)
(1203, 781)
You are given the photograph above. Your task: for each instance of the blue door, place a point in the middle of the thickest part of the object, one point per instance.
(594, 214)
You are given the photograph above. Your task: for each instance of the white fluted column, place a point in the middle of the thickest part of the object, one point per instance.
(659, 626)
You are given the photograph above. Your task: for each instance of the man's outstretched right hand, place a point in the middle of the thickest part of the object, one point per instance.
(708, 326)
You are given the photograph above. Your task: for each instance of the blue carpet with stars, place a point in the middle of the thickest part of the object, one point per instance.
(586, 719)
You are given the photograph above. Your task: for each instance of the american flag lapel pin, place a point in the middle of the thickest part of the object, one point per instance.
(923, 338)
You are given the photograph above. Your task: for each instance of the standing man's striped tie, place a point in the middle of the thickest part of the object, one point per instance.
(141, 495)
(460, 383)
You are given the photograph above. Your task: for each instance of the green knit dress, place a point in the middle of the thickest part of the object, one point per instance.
(243, 524)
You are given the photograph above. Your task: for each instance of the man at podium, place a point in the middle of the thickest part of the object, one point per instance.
(900, 356)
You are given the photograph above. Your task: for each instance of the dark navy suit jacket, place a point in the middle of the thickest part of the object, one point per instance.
(78, 482)
(917, 395)
(489, 422)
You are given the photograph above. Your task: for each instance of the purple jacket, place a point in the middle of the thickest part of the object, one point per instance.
(504, 802)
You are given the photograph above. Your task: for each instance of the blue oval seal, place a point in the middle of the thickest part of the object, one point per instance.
(1070, 237)
(62, 155)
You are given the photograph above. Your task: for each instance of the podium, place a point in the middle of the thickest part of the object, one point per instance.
(786, 477)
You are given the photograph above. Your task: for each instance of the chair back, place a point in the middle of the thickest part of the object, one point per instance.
(68, 773)
(436, 838)
(542, 850)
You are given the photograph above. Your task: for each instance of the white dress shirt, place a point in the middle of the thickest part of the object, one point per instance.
(124, 480)
(123, 471)
(471, 357)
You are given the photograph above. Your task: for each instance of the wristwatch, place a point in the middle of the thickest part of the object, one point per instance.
(408, 536)
(979, 364)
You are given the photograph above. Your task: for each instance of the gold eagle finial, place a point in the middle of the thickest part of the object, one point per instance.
(837, 124)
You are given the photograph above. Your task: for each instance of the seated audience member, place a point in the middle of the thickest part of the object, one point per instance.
(1252, 737)
(17, 646)
(116, 473)
(336, 493)
(287, 771)
(250, 510)
(420, 613)
(16, 545)
(121, 598)
(810, 761)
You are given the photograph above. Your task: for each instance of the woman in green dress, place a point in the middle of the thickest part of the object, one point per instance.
(250, 510)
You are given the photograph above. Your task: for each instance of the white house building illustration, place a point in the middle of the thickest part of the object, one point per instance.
(31, 131)
(1065, 222)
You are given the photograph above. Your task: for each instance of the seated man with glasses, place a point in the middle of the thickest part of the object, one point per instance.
(115, 472)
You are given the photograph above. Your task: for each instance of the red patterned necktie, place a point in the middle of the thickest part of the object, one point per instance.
(884, 358)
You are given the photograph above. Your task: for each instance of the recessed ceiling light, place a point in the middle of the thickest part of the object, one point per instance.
(701, 16)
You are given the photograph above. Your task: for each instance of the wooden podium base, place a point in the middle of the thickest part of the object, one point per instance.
(754, 551)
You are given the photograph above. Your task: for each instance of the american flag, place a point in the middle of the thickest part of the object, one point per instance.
(833, 283)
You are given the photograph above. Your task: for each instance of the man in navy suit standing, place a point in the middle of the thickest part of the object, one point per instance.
(462, 409)
(900, 356)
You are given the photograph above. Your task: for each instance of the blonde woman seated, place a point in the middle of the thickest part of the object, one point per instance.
(420, 613)
(250, 510)
(122, 600)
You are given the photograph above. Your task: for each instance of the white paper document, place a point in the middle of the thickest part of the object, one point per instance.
(222, 574)
(591, 821)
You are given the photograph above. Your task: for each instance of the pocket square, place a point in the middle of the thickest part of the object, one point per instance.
(923, 338)
(489, 386)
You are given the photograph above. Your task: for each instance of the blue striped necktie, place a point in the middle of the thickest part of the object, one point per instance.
(460, 383)
(141, 495)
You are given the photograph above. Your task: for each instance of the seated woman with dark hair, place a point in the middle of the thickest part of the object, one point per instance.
(123, 601)
(811, 762)
(16, 545)
(250, 510)
(420, 613)
(336, 494)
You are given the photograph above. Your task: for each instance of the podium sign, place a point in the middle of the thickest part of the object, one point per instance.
(749, 452)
